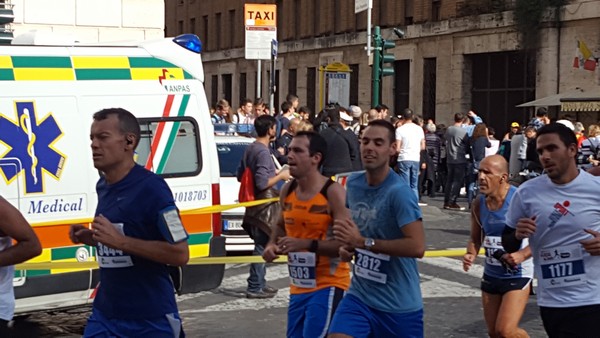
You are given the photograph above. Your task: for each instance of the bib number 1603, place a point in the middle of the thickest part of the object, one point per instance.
(299, 272)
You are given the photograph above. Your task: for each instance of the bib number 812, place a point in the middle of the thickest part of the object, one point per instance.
(369, 263)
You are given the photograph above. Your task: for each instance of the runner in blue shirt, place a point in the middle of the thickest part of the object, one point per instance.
(137, 233)
(386, 236)
(506, 277)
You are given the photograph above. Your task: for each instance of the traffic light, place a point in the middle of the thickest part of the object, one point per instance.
(382, 63)
(387, 60)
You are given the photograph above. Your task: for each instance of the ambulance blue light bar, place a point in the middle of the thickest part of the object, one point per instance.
(190, 42)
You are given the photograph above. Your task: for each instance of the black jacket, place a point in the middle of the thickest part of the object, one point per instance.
(340, 151)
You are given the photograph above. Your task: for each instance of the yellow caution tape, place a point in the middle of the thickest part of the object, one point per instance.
(219, 208)
(202, 261)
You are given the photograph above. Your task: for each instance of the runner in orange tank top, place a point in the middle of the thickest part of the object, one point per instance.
(310, 204)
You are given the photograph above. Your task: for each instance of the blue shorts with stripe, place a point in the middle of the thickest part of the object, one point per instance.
(309, 314)
(167, 326)
(356, 319)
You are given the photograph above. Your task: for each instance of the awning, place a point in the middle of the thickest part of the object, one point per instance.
(586, 104)
(553, 100)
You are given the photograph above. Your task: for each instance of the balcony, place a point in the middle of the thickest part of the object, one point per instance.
(7, 15)
(476, 7)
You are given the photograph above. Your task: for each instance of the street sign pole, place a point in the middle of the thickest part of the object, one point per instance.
(258, 79)
(272, 86)
(369, 28)
(359, 6)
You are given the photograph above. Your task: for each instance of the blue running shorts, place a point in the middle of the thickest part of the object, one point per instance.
(309, 314)
(355, 319)
(167, 326)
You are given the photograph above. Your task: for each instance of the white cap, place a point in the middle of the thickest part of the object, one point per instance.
(345, 116)
(567, 123)
(355, 111)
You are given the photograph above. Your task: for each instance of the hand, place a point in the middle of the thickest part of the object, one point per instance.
(423, 166)
(346, 231)
(290, 244)
(271, 253)
(281, 150)
(471, 113)
(468, 260)
(284, 174)
(592, 245)
(81, 234)
(106, 233)
(525, 228)
(346, 253)
(513, 259)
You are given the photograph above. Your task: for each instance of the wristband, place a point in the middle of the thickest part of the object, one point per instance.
(314, 246)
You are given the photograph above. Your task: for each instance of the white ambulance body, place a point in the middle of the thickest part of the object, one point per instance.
(48, 95)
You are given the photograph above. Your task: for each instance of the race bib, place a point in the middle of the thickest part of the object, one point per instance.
(371, 266)
(111, 258)
(302, 268)
(491, 245)
(562, 266)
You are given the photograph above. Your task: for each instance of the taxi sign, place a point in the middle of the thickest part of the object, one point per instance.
(260, 22)
(260, 15)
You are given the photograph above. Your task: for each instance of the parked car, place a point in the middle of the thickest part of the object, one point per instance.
(230, 150)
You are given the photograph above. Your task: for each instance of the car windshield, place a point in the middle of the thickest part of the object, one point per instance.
(230, 155)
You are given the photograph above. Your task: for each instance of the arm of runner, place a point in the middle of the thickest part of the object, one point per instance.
(592, 245)
(412, 244)
(474, 243)
(509, 240)
(517, 257)
(336, 198)
(78, 233)
(14, 225)
(176, 254)
(272, 249)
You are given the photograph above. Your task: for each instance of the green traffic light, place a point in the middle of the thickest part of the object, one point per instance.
(387, 58)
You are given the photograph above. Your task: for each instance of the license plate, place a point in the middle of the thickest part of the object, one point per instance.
(232, 225)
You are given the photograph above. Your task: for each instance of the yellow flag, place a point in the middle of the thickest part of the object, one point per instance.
(585, 52)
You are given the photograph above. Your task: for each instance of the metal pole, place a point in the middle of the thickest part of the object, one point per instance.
(258, 79)
(376, 67)
(272, 87)
(369, 27)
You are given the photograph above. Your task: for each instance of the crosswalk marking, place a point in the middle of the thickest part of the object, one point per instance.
(431, 287)
(476, 270)
(238, 281)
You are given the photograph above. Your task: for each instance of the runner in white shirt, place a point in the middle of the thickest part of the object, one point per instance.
(560, 215)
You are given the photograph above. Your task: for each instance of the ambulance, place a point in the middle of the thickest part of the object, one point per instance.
(48, 94)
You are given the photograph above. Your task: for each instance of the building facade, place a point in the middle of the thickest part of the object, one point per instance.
(454, 56)
(83, 20)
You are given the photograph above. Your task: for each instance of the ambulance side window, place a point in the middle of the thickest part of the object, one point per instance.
(170, 146)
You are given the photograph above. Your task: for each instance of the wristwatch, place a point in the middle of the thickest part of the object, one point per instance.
(369, 242)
